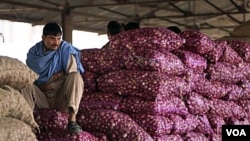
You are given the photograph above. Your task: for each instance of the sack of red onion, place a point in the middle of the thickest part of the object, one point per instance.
(183, 124)
(116, 125)
(153, 124)
(89, 79)
(50, 119)
(63, 135)
(192, 61)
(245, 104)
(204, 126)
(136, 105)
(231, 56)
(197, 104)
(201, 85)
(225, 72)
(195, 136)
(197, 42)
(155, 38)
(224, 108)
(103, 60)
(171, 137)
(153, 60)
(215, 54)
(242, 48)
(145, 84)
(99, 100)
(216, 123)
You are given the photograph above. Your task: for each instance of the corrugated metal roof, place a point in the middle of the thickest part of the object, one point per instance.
(215, 18)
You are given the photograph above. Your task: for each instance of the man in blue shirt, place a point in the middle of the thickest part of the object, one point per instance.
(59, 85)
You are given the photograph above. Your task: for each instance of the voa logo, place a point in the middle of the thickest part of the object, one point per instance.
(236, 132)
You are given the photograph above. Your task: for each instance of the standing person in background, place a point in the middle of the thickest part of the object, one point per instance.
(113, 28)
(175, 29)
(59, 85)
(131, 25)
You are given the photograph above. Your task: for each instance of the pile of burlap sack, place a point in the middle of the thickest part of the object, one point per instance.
(16, 117)
(240, 33)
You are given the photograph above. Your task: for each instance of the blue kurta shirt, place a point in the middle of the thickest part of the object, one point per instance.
(47, 63)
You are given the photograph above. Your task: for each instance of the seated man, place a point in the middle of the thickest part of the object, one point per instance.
(59, 85)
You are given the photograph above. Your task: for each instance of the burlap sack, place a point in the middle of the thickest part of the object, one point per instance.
(12, 129)
(15, 73)
(13, 104)
(242, 30)
(243, 39)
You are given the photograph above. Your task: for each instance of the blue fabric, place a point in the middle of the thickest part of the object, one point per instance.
(47, 63)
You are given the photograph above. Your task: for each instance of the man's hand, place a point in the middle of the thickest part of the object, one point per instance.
(56, 76)
(36, 130)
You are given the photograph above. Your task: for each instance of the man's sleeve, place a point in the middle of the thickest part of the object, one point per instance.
(71, 66)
